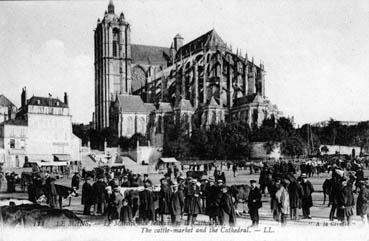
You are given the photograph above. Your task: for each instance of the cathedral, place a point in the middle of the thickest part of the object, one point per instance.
(199, 83)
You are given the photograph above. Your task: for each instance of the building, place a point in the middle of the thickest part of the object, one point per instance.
(41, 131)
(200, 83)
(7, 109)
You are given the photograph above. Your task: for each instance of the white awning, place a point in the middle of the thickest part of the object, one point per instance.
(168, 160)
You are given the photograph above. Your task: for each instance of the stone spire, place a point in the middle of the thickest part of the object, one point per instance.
(111, 7)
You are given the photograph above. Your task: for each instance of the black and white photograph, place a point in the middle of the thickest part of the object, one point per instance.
(184, 120)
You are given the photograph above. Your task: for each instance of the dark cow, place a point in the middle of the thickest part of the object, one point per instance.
(37, 215)
(64, 193)
(240, 193)
(327, 188)
(196, 174)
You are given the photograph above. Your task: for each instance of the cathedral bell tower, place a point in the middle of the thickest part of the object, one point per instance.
(112, 63)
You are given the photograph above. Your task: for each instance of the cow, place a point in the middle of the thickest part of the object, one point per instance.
(64, 193)
(196, 174)
(37, 215)
(327, 189)
(240, 194)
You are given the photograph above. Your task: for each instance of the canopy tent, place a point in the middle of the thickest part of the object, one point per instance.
(50, 164)
(168, 160)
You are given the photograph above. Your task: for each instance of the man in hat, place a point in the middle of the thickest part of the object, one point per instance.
(146, 206)
(283, 202)
(100, 202)
(227, 214)
(192, 202)
(75, 181)
(164, 198)
(295, 192)
(52, 194)
(87, 196)
(115, 203)
(212, 205)
(125, 182)
(362, 201)
(345, 203)
(147, 179)
(176, 204)
(307, 200)
(254, 203)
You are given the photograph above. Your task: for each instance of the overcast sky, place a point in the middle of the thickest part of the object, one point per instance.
(316, 52)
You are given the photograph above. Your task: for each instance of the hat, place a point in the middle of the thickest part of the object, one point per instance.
(220, 180)
(193, 181)
(252, 181)
(303, 175)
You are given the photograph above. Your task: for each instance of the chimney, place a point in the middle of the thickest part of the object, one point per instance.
(65, 98)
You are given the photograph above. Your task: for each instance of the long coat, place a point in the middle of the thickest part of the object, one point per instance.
(165, 199)
(307, 200)
(345, 202)
(296, 193)
(283, 200)
(362, 202)
(212, 200)
(254, 200)
(192, 202)
(87, 194)
(177, 203)
(227, 214)
(146, 207)
(99, 188)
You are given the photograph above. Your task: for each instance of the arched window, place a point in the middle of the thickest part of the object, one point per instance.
(116, 42)
(160, 120)
(130, 126)
(142, 125)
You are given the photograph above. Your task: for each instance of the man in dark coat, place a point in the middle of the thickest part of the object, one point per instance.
(362, 202)
(254, 203)
(192, 202)
(146, 206)
(296, 193)
(211, 194)
(227, 214)
(263, 178)
(165, 195)
(176, 204)
(346, 202)
(125, 182)
(87, 196)
(100, 202)
(307, 200)
(75, 181)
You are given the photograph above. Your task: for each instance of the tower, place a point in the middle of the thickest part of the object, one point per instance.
(112, 62)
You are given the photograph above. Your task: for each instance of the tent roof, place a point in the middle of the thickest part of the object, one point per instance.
(168, 160)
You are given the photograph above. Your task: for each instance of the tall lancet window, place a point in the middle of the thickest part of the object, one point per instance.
(116, 42)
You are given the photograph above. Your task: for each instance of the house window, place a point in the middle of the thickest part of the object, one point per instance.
(12, 143)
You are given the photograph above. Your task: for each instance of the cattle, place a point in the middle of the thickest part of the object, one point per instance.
(196, 174)
(37, 215)
(64, 193)
(240, 194)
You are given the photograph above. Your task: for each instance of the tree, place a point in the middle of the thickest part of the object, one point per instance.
(292, 146)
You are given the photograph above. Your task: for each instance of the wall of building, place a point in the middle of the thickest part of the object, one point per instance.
(14, 144)
(343, 150)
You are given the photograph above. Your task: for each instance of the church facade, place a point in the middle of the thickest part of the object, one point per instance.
(200, 83)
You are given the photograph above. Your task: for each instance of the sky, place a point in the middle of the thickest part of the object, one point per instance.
(315, 52)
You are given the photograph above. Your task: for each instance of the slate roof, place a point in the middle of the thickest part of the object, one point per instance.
(5, 101)
(132, 104)
(45, 101)
(145, 54)
(209, 39)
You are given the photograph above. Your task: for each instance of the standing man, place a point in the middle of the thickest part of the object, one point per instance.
(176, 204)
(362, 202)
(212, 193)
(87, 196)
(234, 169)
(254, 203)
(165, 196)
(75, 181)
(283, 200)
(307, 200)
(100, 199)
(146, 207)
(192, 203)
(227, 214)
(295, 191)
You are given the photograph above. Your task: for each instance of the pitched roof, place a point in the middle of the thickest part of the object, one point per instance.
(132, 104)
(145, 54)
(165, 107)
(213, 102)
(209, 39)
(5, 101)
(45, 101)
(149, 107)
